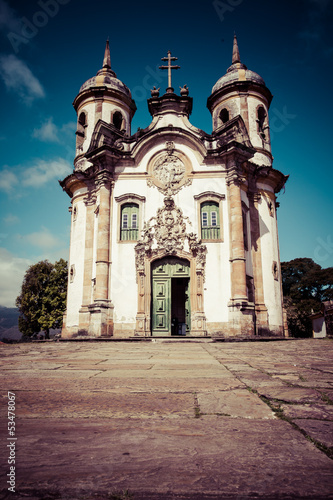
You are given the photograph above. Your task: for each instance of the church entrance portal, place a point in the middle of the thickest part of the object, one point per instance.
(170, 308)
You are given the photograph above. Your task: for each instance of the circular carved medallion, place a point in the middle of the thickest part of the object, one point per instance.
(169, 170)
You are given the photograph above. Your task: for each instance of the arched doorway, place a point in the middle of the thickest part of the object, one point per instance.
(170, 298)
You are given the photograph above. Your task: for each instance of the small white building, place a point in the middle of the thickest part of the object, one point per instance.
(174, 229)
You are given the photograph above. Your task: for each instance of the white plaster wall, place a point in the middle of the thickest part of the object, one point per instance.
(248, 253)
(123, 274)
(74, 295)
(269, 252)
(123, 283)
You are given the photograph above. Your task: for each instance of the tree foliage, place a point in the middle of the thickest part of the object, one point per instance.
(42, 300)
(305, 285)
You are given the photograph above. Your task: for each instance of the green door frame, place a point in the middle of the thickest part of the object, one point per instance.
(162, 272)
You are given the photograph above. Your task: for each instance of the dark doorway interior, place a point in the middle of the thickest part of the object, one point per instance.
(179, 287)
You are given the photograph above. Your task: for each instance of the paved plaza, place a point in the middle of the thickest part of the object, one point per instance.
(169, 419)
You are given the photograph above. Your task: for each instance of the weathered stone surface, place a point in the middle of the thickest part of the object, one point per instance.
(208, 456)
(290, 394)
(83, 433)
(240, 403)
(318, 430)
(316, 411)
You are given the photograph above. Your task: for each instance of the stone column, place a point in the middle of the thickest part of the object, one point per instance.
(88, 251)
(237, 251)
(103, 182)
(101, 311)
(260, 308)
(241, 313)
(84, 315)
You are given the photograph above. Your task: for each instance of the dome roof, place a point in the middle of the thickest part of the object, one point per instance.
(106, 77)
(106, 80)
(237, 72)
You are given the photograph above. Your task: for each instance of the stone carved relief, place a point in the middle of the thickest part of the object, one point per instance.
(169, 172)
(167, 232)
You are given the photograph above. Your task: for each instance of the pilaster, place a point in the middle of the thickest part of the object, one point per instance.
(260, 308)
(241, 313)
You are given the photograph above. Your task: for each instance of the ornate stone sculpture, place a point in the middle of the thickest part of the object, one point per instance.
(169, 171)
(167, 232)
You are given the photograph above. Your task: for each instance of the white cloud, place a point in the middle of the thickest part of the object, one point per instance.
(11, 219)
(12, 270)
(8, 180)
(48, 132)
(45, 171)
(19, 78)
(43, 239)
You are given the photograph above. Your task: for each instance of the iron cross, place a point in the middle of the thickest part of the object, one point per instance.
(169, 67)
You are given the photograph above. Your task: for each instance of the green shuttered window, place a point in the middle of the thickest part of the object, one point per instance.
(210, 221)
(129, 230)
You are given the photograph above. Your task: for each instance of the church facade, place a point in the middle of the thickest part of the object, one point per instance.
(174, 230)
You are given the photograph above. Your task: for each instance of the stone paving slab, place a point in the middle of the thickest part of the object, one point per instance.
(232, 458)
(315, 411)
(290, 394)
(164, 432)
(240, 403)
(62, 404)
(318, 430)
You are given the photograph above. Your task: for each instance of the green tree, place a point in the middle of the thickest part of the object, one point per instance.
(42, 300)
(305, 285)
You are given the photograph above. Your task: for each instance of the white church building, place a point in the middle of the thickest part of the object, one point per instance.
(173, 229)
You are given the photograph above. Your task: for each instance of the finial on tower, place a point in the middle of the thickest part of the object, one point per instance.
(235, 51)
(106, 69)
(107, 58)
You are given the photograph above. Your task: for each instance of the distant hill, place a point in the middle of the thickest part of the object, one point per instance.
(9, 323)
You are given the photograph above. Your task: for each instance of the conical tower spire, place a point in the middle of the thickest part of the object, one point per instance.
(106, 69)
(235, 51)
(107, 58)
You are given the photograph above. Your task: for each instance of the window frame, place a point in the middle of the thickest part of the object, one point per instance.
(125, 199)
(212, 197)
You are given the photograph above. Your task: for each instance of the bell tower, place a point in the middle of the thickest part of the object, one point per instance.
(243, 92)
(102, 97)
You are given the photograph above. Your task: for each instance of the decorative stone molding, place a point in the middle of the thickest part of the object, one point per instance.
(169, 170)
(104, 179)
(90, 199)
(168, 234)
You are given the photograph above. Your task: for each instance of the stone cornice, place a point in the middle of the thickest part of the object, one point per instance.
(102, 92)
(239, 87)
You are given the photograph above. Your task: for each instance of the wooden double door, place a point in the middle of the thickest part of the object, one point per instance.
(170, 308)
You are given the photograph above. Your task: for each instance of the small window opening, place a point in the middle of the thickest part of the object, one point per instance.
(72, 273)
(204, 219)
(125, 221)
(134, 221)
(117, 120)
(245, 233)
(261, 122)
(214, 219)
(224, 115)
(82, 119)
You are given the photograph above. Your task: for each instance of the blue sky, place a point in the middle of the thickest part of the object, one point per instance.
(49, 48)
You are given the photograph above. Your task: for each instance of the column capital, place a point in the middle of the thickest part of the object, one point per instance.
(104, 179)
(234, 176)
